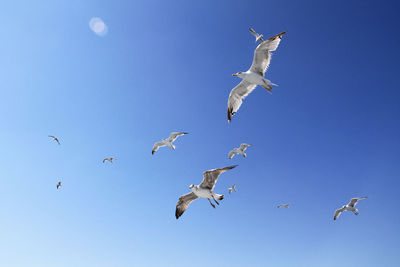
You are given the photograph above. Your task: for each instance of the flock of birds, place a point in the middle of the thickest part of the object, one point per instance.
(250, 79)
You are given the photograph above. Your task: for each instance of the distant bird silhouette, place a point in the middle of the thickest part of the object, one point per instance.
(233, 188)
(239, 150)
(167, 142)
(108, 159)
(55, 139)
(350, 207)
(59, 185)
(284, 205)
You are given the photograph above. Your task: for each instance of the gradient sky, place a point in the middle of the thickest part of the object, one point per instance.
(329, 132)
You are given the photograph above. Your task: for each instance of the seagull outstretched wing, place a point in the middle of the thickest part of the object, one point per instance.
(210, 177)
(183, 203)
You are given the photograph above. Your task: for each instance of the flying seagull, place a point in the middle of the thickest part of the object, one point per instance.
(167, 142)
(349, 207)
(259, 37)
(239, 150)
(255, 75)
(59, 185)
(204, 190)
(233, 188)
(55, 139)
(108, 159)
(284, 205)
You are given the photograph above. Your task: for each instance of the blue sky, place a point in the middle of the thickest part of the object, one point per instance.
(329, 132)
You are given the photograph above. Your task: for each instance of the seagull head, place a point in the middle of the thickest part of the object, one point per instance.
(191, 186)
(238, 74)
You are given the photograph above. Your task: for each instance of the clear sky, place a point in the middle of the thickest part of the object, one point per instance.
(328, 133)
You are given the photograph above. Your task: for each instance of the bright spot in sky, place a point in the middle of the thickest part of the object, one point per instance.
(98, 26)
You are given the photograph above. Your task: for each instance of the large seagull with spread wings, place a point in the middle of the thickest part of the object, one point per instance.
(255, 75)
(204, 190)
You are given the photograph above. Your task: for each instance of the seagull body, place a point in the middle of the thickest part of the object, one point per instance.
(233, 188)
(284, 205)
(349, 207)
(255, 75)
(58, 185)
(55, 139)
(167, 141)
(108, 159)
(239, 150)
(259, 37)
(203, 190)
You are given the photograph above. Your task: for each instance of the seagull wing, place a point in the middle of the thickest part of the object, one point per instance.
(183, 203)
(353, 201)
(175, 135)
(210, 177)
(237, 95)
(337, 213)
(262, 54)
(231, 153)
(157, 146)
(244, 146)
(253, 32)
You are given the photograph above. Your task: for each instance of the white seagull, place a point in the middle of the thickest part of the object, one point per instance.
(167, 142)
(255, 75)
(59, 185)
(233, 188)
(349, 207)
(259, 37)
(204, 190)
(239, 150)
(284, 205)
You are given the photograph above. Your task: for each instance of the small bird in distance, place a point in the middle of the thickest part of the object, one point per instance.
(284, 205)
(167, 142)
(233, 188)
(259, 37)
(55, 139)
(239, 150)
(58, 185)
(108, 159)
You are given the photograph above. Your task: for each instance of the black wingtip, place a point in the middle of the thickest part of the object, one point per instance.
(152, 152)
(178, 214)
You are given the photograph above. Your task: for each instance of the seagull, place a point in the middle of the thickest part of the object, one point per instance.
(239, 150)
(259, 37)
(255, 75)
(167, 142)
(59, 185)
(108, 159)
(350, 207)
(55, 138)
(284, 205)
(233, 188)
(204, 190)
